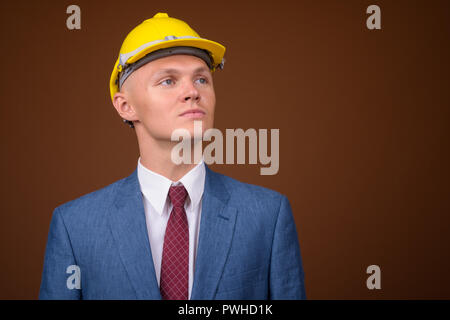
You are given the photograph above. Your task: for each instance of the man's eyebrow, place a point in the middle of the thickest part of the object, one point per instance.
(201, 69)
(175, 71)
(166, 71)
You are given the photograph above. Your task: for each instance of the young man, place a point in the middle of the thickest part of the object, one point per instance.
(171, 231)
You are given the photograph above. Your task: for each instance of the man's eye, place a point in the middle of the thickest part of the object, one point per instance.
(167, 82)
(202, 80)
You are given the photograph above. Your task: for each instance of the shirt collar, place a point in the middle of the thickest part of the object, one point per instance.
(155, 187)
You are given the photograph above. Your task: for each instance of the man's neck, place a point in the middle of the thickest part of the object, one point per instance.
(156, 156)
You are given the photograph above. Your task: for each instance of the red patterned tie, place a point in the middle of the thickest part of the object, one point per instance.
(175, 258)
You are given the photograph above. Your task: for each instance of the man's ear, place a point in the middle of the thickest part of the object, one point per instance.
(123, 106)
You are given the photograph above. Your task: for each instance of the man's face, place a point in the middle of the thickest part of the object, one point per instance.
(171, 93)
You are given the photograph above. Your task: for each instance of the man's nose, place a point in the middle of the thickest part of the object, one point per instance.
(190, 93)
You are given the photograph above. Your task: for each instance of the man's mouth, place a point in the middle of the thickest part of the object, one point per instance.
(193, 113)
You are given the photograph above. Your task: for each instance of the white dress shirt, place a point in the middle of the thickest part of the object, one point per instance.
(157, 206)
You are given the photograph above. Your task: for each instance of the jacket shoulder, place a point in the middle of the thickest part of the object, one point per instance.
(251, 195)
(91, 202)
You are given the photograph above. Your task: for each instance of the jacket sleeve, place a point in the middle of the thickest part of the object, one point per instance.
(59, 264)
(286, 270)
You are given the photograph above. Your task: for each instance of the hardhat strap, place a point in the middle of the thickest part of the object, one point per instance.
(123, 57)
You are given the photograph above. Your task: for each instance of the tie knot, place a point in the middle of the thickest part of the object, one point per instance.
(177, 195)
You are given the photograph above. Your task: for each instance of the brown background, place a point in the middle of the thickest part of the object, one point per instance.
(363, 118)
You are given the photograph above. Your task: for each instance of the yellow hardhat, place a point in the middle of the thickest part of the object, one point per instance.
(162, 36)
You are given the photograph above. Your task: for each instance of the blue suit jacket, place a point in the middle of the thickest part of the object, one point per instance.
(247, 249)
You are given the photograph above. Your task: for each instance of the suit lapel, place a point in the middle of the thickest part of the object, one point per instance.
(216, 233)
(128, 226)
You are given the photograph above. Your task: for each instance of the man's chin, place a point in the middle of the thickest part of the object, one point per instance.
(196, 128)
